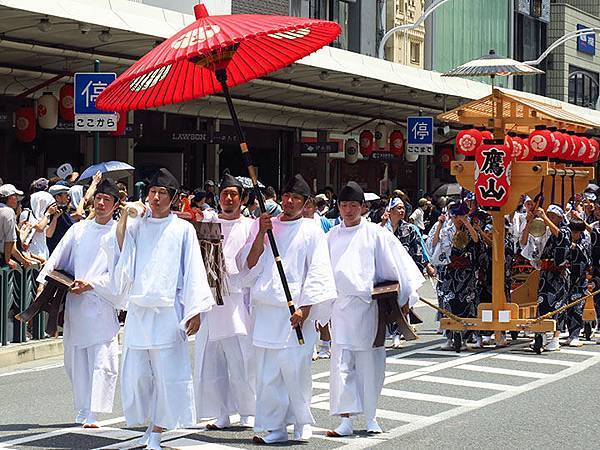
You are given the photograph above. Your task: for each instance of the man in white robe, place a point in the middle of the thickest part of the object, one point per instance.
(363, 254)
(284, 384)
(167, 291)
(225, 376)
(90, 320)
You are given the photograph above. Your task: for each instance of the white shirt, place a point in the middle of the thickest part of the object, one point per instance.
(232, 318)
(166, 281)
(363, 256)
(303, 251)
(90, 318)
(417, 218)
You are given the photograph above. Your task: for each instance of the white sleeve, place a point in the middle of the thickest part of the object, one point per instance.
(194, 293)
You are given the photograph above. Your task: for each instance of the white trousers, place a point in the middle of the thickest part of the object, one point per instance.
(93, 373)
(225, 377)
(157, 387)
(356, 380)
(284, 385)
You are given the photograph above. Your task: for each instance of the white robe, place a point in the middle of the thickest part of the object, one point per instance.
(362, 256)
(90, 322)
(225, 375)
(165, 280)
(284, 385)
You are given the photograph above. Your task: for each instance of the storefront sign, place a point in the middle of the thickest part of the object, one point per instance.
(88, 87)
(204, 137)
(420, 136)
(586, 43)
(319, 147)
(386, 156)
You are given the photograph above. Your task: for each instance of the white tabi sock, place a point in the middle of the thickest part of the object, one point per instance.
(276, 436)
(81, 416)
(345, 427)
(154, 441)
(245, 421)
(302, 432)
(223, 422)
(373, 426)
(146, 437)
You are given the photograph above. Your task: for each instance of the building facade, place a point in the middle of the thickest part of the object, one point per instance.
(407, 47)
(573, 69)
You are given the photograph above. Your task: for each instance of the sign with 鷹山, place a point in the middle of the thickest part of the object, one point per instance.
(419, 140)
(88, 86)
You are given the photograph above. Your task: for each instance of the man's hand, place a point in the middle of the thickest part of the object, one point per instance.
(442, 218)
(52, 210)
(193, 325)
(265, 223)
(79, 287)
(12, 264)
(430, 270)
(299, 316)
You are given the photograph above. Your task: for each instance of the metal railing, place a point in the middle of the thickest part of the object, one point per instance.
(17, 291)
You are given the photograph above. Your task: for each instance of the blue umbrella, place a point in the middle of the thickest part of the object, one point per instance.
(116, 169)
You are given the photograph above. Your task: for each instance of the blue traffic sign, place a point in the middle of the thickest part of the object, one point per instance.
(88, 85)
(420, 131)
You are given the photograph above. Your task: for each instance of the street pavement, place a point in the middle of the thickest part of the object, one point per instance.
(490, 399)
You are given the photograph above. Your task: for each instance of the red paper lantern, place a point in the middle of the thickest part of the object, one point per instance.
(121, 124)
(486, 134)
(517, 148)
(492, 173)
(559, 143)
(25, 123)
(594, 152)
(540, 142)
(508, 141)
(396, 143)
(445, 157)
(367, 143)
(66, 103)
(567, 147)
(467, 141)
(576, 144)
(583, 150)
(527, 154)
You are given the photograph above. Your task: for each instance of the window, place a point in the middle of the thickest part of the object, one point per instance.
(583, 87)
(415, 53)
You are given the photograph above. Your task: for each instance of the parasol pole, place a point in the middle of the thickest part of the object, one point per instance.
(221, 75)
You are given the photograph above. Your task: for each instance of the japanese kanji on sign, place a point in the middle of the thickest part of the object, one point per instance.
(419, 136)
(88, 87)
(493, 162)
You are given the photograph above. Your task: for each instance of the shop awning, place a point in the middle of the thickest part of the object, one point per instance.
(330, 89)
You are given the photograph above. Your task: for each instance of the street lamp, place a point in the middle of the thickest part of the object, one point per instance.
(562, 40)
(409, 26)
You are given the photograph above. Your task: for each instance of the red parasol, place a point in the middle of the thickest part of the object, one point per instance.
(211, 55)
(190, 64)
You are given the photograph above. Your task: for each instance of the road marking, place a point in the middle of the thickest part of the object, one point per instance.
(500, 371)
(33, 369)
(570, 351)
(58, 432)
(120, 434)
(191, 444)
(535, 360)
(432, 420)
(448, 353)
(426, 397)
(466, 383)
(409, 362)
(381, 413)
(316, 376)
(441, 366)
